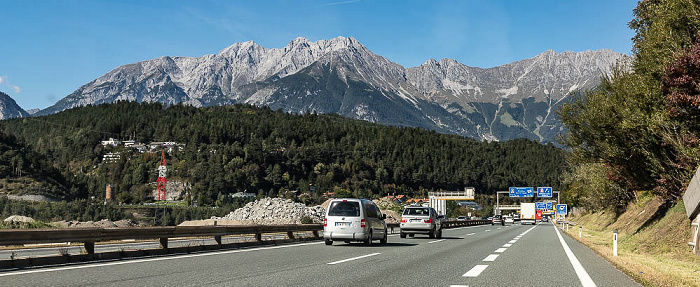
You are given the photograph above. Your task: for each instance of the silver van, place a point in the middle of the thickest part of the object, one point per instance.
(353, 219)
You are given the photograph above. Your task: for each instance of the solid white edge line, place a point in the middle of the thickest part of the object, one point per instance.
(471, 234)
(354, 258)
(500, 250)
(583, 276)
(490, 258)
(151, 259)
(436, 241)
(459, 285)
(475, 271)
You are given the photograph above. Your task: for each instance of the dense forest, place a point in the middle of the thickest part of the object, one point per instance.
(243, 148)
(639, 130)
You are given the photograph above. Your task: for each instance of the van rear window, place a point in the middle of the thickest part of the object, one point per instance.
(416, 211)
(344, 208)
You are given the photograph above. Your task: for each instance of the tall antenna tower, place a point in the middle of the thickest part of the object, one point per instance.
(162, 180)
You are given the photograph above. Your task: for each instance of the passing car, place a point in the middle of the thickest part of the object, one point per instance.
(354, 219)
(421, 220)
(462, 218)
(497, 219)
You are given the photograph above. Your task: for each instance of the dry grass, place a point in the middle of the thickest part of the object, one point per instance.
(654, 255)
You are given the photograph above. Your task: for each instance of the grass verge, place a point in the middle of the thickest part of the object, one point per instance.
(652, 251)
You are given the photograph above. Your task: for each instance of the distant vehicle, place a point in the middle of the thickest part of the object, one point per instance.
(516, 218)
(538, 215)
(461, 218)
(508, 219)
(545, 219)
(353, 219)
(497, 219)
(421, 220)
(527, 212)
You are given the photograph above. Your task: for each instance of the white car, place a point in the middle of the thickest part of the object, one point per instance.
(353, 219)
(508, 219)
(421, 220)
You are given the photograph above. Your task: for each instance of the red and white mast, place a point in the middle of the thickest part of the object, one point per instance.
(162, 180)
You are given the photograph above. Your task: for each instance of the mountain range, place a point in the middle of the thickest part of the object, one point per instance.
(342, 76)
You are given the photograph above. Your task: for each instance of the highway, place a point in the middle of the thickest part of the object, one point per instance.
(512, 255)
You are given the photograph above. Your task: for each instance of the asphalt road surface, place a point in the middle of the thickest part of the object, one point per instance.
(512, 255)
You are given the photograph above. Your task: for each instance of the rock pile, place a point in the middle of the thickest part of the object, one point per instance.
(18, 219)
(94, 224)
(275, 211)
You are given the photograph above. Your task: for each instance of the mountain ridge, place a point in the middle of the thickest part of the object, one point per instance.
(9, 108)
(444, 95)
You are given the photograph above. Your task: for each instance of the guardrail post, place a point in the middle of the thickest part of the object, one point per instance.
(290, 234)
(217, 239)
(89, 247)
(258, 236)
(164, 242)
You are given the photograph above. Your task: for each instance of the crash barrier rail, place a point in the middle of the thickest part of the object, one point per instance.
(445, 224)
(88, 236)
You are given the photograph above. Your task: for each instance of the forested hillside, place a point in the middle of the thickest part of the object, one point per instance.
(243, 148)
(638, 131)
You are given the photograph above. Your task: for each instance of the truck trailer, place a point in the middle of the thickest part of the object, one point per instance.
(527, 211)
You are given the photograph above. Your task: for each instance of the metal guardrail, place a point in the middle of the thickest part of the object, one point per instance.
(88, 236)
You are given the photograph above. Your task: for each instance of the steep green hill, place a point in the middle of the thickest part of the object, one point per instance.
(238, 148)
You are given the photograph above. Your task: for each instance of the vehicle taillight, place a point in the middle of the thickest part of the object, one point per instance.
(325, 222)
(362, 223)
(403, 220)
(429, 220)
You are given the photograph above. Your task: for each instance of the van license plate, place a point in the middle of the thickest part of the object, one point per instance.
(342, 224)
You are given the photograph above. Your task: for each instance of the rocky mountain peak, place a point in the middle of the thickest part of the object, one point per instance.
(9, 108)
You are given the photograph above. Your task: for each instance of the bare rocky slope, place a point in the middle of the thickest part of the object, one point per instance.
(9, 108)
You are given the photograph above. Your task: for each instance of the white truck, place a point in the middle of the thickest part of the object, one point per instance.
(527, 213)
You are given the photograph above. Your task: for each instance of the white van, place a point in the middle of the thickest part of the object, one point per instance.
(353, 219)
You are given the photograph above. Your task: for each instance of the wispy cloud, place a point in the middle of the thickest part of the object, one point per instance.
(3, 80)
(338, 3)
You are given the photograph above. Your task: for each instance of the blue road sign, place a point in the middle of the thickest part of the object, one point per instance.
(561, 209)
(544, 192)
(521, 191)
(543, 205)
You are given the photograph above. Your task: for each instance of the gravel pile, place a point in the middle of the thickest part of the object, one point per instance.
(275, 211)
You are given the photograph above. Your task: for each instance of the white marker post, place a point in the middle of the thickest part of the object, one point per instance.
(579, 231)
(615, 242)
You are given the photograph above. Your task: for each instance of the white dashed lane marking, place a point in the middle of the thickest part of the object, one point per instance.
(475, 271)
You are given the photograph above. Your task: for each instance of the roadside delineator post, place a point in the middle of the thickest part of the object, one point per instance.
(615, 242)
(579, 231)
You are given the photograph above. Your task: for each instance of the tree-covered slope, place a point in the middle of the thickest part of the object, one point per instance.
(238, 148)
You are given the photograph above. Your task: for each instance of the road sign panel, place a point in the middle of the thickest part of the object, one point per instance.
(543, 205)
(544, 192)
(561, 209)
(521, 191)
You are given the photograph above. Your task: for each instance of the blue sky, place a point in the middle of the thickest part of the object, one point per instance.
(50, 48)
